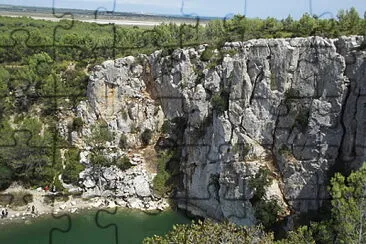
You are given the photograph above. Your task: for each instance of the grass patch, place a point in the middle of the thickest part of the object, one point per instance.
(285, 151)
(242, 149)
(151, 158)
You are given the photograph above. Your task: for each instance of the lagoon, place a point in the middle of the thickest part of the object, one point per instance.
(125, 226)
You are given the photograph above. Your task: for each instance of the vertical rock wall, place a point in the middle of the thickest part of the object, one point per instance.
(294, 106)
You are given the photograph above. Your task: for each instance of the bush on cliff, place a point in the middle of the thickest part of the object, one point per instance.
(209, 232)
(160, 183)
(146, 137)
(266, 211)
(70, 174)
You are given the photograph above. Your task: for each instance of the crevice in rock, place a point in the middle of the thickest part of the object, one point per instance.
(353, 151)
(258, 78)
(274, 141)
(339, 162)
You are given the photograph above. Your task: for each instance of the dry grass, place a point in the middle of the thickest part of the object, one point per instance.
(20, 198)
(151, 158)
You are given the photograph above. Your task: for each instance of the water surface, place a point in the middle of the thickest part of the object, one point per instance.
(128, 226)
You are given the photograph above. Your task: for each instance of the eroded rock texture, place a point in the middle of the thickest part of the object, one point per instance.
(295, 106)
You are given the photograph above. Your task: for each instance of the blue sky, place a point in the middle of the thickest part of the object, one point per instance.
(221, 8)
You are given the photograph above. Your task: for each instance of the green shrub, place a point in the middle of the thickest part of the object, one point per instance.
(6, 175)
(100, 134)
(167, 52)
(285, 150)
(32, 165)
(242, 149)
(291, 93)
(231, 52)
(212, 232)
(212, 64)
(99, 159)
(160, 181)
(70, 174)
(207, 54)
(266, 211)
(123, 142)
(219, 103)
(200, 76)
(146, 137)
(58, 185)
(77, 124)
(123, 163)
(166, 127)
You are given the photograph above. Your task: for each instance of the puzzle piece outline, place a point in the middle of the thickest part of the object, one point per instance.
(177, 98)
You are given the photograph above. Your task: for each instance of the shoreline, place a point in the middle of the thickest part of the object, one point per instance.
(27, 220)
(73, 205)
(125, 21)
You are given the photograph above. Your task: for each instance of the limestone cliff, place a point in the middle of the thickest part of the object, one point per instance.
(295, 106)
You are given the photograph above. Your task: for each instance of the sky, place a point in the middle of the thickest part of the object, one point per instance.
(218, 8)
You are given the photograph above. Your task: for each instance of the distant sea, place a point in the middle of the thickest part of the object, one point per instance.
(132, 227)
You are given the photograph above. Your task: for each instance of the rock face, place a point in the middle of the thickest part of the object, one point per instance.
(118, 104)
(294, 106)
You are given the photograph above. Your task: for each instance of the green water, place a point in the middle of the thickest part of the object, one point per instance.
(130, 227)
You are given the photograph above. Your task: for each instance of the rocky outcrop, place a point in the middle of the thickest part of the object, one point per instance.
(294, 106)
(118, 104)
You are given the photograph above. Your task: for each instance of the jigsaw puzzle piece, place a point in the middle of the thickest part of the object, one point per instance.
(105, 11)
(14, 47)
(52, 237)
(107, 226)
(58, 12)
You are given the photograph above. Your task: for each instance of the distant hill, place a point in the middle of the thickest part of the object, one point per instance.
(91, 13)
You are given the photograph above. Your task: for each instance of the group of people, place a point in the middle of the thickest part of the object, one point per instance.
(46, 188)
(4, 212)
(33, 209)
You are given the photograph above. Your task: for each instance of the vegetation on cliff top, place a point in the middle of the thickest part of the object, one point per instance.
(43, 69)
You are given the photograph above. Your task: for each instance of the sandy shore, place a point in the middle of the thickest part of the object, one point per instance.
(116, 21)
